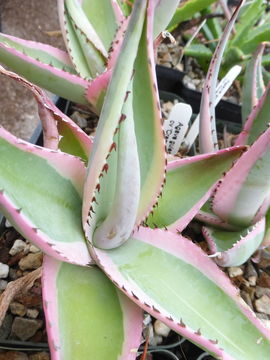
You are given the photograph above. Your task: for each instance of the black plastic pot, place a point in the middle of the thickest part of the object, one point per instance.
(227, 113)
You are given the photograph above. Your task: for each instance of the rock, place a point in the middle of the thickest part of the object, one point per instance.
(18, 246)
(251, 274)
(13, 274)
(161, 329)
(266, 323)
(79, 119)
(24, 328)
(247, 299)
(40, 356)
(32, 313)
(33, 249)
(3, 284)
(260, 291)
(17, 309)
(4, 269)
(235, 271)
(13, 355)
(31, 262)
(263, 304)
(261, 316)
(5, 329)
(264, 280)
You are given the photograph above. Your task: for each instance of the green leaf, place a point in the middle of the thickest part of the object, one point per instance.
(247, 18)
(89, 318)
(184, 188)
(101, 15)
(176, 282)
(186, 10)
(42, 197)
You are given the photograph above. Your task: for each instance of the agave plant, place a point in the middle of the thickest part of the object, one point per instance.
(85, 207)
(93, 33)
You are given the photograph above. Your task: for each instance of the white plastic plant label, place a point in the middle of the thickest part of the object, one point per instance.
(222, 88)
(175, 127)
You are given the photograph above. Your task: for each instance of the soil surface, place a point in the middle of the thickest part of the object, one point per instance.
(28, 19)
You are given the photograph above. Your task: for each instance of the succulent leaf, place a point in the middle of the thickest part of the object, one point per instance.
(185, 192)
(40, 194)
(234, 248)
(245, 187)
(253, 87)
(191, 285)
(208, 134)
(101, 15)
(88, 317)
(164, 11)
(257, 121)
(112, 110)
(54, 79)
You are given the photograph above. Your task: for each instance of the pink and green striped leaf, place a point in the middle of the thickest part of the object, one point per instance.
(84, 46)
(147, 117)
(246, 186)
(172, 279)
(234, 248)
(73, 140)
(40, 65)
(112, 115)
(253, 86)
(208, 133)
(40, 195)
(257, 121)
(185, 192)
(207, 216)
(88, 318)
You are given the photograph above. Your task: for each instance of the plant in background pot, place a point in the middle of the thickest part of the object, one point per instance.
(88, 219)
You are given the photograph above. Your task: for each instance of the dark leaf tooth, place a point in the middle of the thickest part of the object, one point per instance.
(105, 168)
(213, 341)
(169, 318)
(136, 297)
(35, 230)
(123, 116)
(147, 305)
(155, 309)
(94, 200)
(98, 187)
(18, 211)
(165, 227)
(124, 289)
(115, 283)
(113, 147)
(116, 131)
(198, 332)
(92, 210)
(181, 323)
(155, 226)
(100, 175)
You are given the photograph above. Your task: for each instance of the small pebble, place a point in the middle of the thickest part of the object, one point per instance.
(260, 291)
(13, 355)
(24, 328)
(161, 329)
(40, 356)
(3, 284)
(4, 270)
(17, 309)
(31, 261)
(263, 304)
(33, 249)
(18, 246)
(32, 313)
(235, 271)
